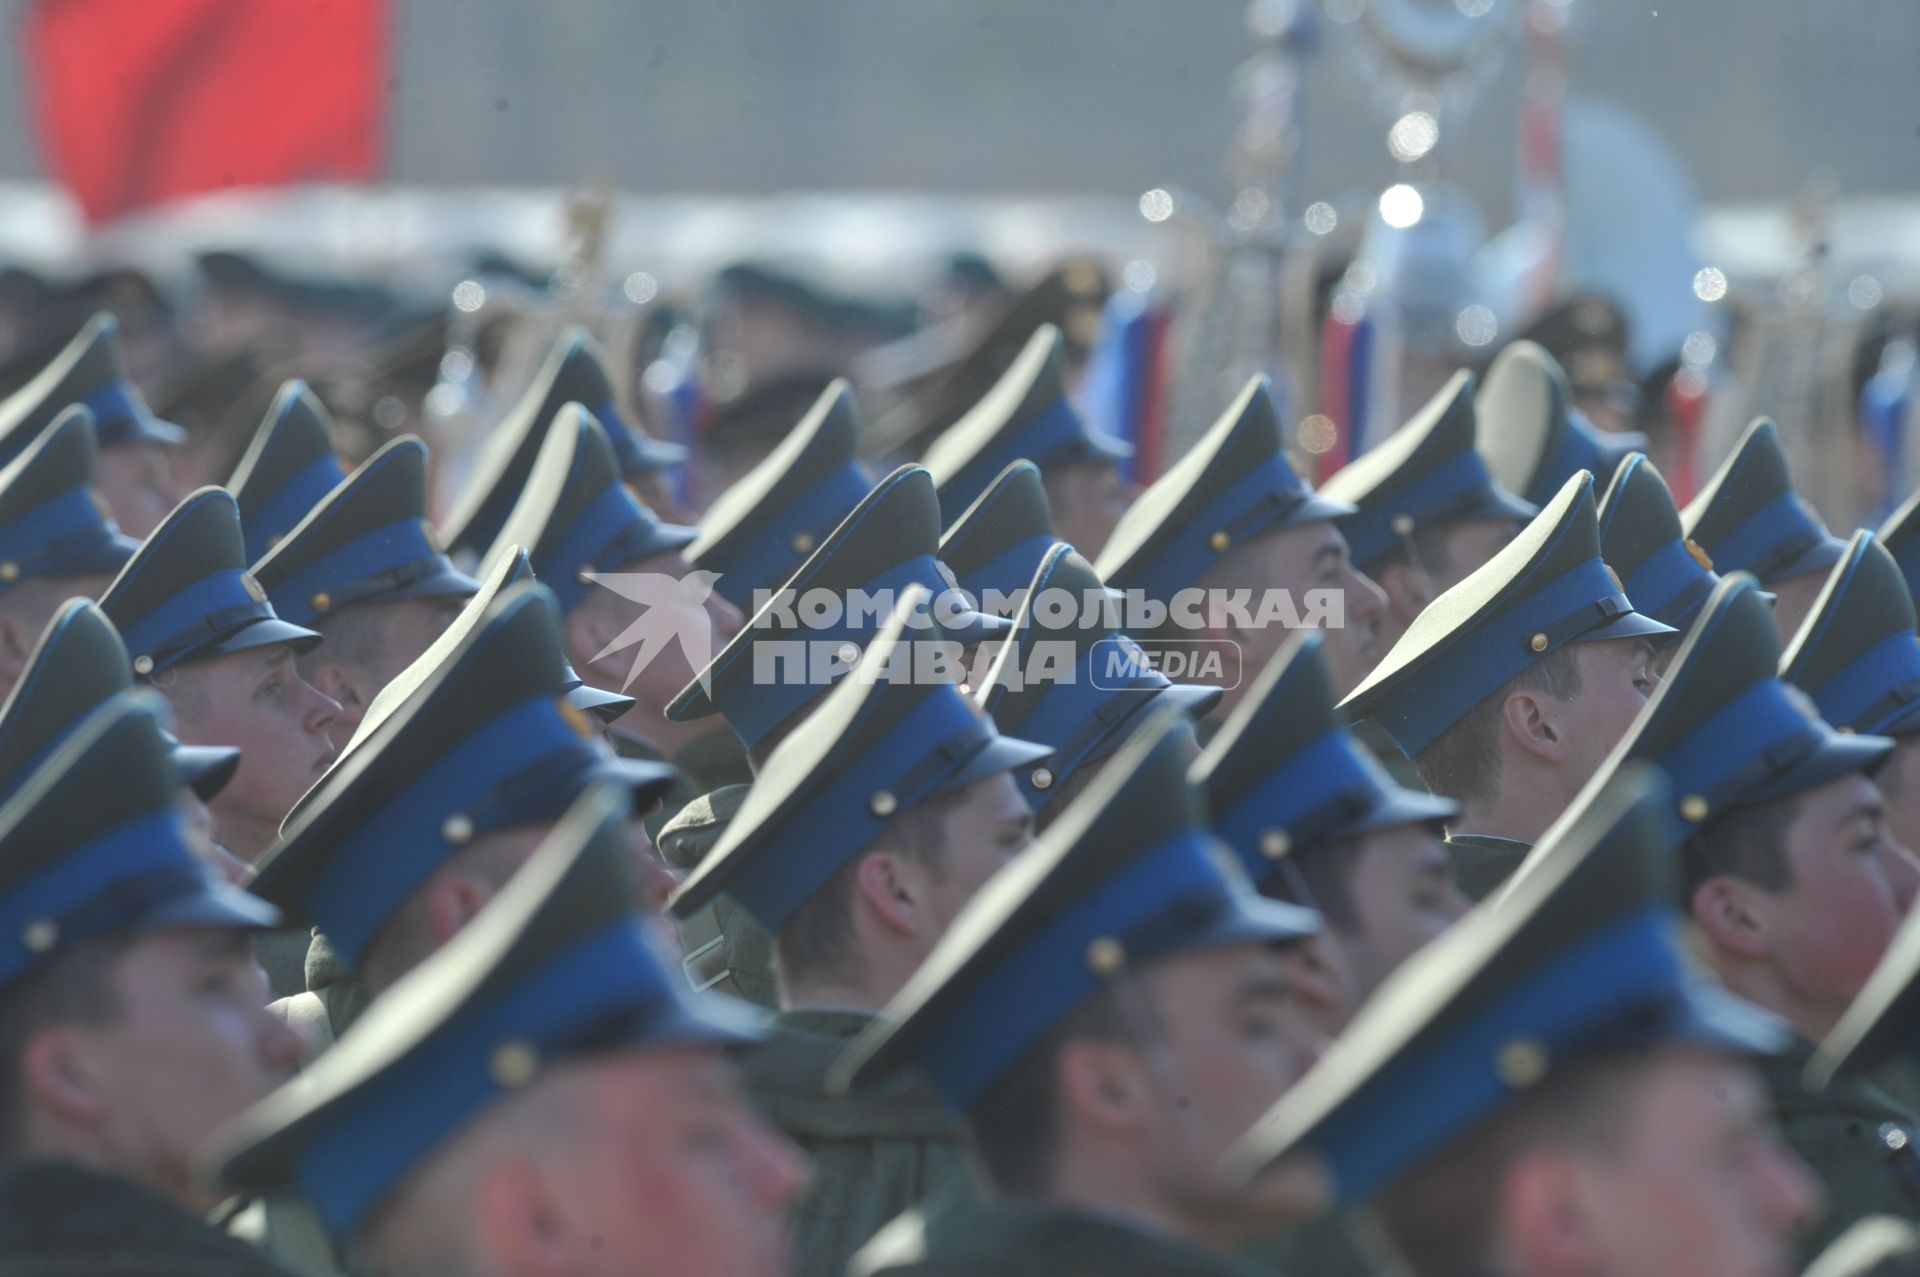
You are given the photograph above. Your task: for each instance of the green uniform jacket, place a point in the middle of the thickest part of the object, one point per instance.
(727, 951)
(961, 1236)
(1857, 1139)
(1331, 1246)
(1376, 741)
(1483, 862)
(873, 1156)
(282, 954)
(58, 1220)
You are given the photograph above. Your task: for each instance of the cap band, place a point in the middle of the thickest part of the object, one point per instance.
(377, 562)
(1056, 435)
(39, 541)
(283, 509)
(761, 553)
(1768, 539)
(1669, 585)
(205, 612)
(1308, 793)
(1875, 689)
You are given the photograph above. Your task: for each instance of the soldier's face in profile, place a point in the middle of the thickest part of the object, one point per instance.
(1793, 601)
(1899, 783)
(1616, 678)
(667, 668)
(1690, 1182)
(1087, 498)
(987, 824)
(1309, 562)
(665, 1169)
(1400, 884)
(255, 701)
(190, 1046)
(1831, 926)
(137, 481)
(1229, 1040)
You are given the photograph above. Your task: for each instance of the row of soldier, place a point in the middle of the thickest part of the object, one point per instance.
(1079, 973)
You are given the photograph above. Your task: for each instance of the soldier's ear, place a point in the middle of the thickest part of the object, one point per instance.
(1530, 725)
(1543, 1214)
(522, 1222)
(1103, 1086)
(58, 1077)
(1724, 910)
(887, 892)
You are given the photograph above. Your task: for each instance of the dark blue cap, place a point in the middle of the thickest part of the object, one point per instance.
(92, 373)
(1232, 486)
(996, 544)
(1081, 709)
(1725, 729)
(1425, 475)
(1900, 535)
(78, 665)
(187, 593)
(1856, 653)
(510, 569)
(1284, 777)
(882, 548)
(576, 516)
(368, 541)
(1026, 416)
(556, 971)
(1126, 877)
(52, 522)
(288, 468)
(1663, 570)
(93, 843)
(1580, 959)
(1545, 589)
(880, 742)
(573, 373)
(481, 742)
(763, 527)
(1750, 519)
(1532, 436)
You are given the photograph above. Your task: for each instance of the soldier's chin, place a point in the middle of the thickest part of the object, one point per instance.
(1292, 1190)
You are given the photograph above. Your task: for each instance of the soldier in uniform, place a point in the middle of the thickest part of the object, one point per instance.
(996, 545)
(56, 541)
(1106, 1017)
(1587, 336)
(867, 830)
(574, 372)
(464, 765)
(541, 1095)
(1028, 416)
(1664, 571)
(1858, 658)
(1077, 684)
(1598, 1116)
(78, 665)
(1231, 518)
(134, 468)
(132, 1010)
(885, 545)
(201, 629)
(1785, 880)
(364, 569)
(1532, 435)
(763, 527)
(1314, 819)
(1749, 519)
(289, 467)
(1509, 689)
(588, 536)
(1426, 511)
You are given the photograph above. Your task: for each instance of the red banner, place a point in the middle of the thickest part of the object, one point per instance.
(141, 101)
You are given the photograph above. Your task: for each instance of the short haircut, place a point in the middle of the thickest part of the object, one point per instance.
(350, 636)
(1429, 548)
(1013, 1131)
(74, 987)
(1464, 762)
(406, 939)
(817, 941)
(1444, 1215)
(1748, 843)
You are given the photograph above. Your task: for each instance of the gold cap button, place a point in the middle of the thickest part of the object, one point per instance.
(9, 571)
(1521, 1063)
(1042, 778)
(514, 1063)
(1219, 541)
(143, 664)
(584, 575)
(803, 543)
(40, 935)
(1106, 956)
(1699, 554)
(322, 601)
(1403, 525)
(457, 829)
(1693, 808)
(1538, 642)
(883, 803)
(1275, 843)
